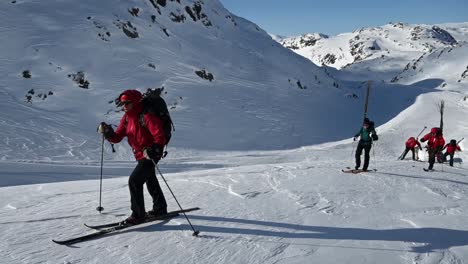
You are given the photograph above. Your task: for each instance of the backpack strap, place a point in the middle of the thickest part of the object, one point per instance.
(142, 120)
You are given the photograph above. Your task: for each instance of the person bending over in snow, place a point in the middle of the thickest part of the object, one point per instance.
(451, 148)
(435, 143)
(411, 144)
(366, 134)
(147, 141)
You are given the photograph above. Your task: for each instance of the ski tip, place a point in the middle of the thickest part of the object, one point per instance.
(58, 242)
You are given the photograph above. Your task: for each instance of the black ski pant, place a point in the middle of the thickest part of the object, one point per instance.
(143, 173)
(406, 152)
(451, 157)
(366, 147)
(432, 157)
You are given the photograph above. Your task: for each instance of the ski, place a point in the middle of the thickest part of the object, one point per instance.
(354, 171)
(427, 170)
(112, 227)
(148, 219)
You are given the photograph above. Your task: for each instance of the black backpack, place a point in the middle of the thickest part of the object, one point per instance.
(152, 102)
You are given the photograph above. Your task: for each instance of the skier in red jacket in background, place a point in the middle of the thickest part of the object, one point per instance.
(435, 144)
(411, 144)
(451, 148)
(147, 141)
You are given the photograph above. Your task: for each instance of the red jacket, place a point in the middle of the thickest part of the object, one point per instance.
(139, 137)
(433, 141)
(452, 148)
(412, 143)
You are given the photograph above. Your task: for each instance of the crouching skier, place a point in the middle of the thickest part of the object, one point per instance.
(411, 144)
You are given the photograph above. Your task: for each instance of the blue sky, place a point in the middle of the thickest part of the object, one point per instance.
(295, 17)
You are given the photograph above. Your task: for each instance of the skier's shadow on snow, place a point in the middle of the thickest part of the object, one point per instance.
(433, 238)
(426, 178)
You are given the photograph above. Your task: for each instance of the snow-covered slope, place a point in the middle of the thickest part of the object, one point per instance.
(447, 64)
(458, 30)
(113, 46)
(65, 62)
(257, 207)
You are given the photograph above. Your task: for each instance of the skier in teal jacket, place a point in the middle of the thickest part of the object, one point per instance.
(367, 135)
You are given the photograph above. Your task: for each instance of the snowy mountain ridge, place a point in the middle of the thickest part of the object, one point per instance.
(370, 43)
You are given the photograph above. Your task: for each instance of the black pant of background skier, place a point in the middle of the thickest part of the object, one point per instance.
(432, 157)
(444, 158)
(366, 147)
(413, 150)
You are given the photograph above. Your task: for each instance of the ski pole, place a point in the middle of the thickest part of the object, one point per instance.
(373, 154)
(352, 152)
(421, 131)
(401, 155)
(195, 232)
(100, 208)
(456, 150)
(442, 164)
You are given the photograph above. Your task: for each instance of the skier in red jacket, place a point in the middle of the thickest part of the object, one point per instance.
(411, 144)
(435, 143)
(147, 141)
(451, 148)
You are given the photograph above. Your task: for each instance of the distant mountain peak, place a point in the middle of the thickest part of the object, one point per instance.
(303, 41)
(369, 43)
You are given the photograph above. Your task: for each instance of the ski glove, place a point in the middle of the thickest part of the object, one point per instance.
(375, 137)
(153, 153)
(106, 130)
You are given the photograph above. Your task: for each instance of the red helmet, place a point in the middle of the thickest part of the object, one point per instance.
(434, 130)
